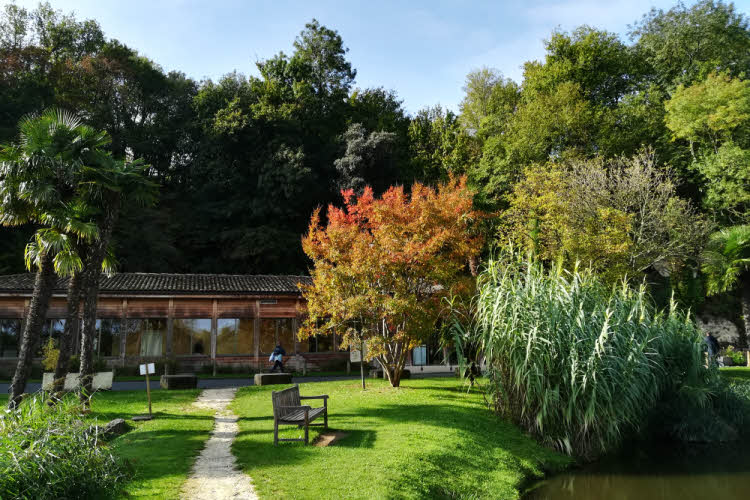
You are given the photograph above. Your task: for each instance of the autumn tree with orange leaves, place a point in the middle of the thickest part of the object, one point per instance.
(381, 267)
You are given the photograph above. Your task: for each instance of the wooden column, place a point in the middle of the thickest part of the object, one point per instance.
(214, 327)
(170, 327)
(170, 335)
(256, 334)
(124, 329)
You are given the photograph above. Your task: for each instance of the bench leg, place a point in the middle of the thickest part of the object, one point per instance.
(325, 419)
(307, 429)
(275, 432)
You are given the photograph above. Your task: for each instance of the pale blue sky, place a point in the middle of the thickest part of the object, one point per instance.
(422, 49)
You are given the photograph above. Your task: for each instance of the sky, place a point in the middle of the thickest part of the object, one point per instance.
(421, 49)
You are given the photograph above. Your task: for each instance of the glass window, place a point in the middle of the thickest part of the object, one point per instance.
(276, 331)
(235, 336)
(284, 334)
(318, 343)
(191, 336)
(10, 336)
(267, 335)
(146, 337)
(419, 356)
(51, 328)
(107, 341)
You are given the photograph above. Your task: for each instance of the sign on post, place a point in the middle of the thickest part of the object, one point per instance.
(147, 369)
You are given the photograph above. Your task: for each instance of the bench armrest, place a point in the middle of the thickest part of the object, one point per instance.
(324, 396)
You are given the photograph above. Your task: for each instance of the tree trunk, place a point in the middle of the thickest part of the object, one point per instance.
(43, 285)
(745, 302)
(71, 325)
(92, 273)
(362, 362)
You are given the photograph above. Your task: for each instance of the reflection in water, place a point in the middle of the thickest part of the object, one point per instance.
(670, 473)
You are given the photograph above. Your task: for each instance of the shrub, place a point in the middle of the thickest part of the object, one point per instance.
(576, 363)
(50, 353)
(737, 357)
(48, 451)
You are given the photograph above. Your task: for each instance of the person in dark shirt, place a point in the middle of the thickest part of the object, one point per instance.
(277, 357)
(713, 348)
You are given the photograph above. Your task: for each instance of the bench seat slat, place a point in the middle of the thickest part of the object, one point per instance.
(288, 410)
(299, 415)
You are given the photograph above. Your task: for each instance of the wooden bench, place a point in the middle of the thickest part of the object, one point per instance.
(287, 410)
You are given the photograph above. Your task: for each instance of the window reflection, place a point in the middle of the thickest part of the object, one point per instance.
(191, 336)
(145, 337)
(10, 335)
(235, 336)
(107, 340)
(52, 328)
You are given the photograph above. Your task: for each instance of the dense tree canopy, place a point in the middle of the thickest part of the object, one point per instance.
(242, 161)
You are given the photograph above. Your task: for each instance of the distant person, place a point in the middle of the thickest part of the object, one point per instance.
(713, 348)
(276, 357)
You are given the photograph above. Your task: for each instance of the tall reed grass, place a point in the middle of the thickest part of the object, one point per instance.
(48, 451)
(578, 364)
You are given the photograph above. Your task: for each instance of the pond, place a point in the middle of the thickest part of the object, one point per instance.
(670, 472)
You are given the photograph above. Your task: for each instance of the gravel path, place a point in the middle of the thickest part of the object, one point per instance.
(215, 475)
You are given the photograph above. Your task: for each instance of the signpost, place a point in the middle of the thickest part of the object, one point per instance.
(358, 357)
(147, 369)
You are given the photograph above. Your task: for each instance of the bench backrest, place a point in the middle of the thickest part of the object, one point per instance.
(285, 397)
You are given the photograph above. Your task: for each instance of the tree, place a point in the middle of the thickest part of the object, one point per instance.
(726, 264)
(38, 178)
(685, 44)
(710, 112)
(108, 187)
(622, 217)
(487, 94)
(713, 117)
(438, 146)
(368, 160)
(382, 265)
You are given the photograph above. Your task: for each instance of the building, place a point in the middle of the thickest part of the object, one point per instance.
(197, 321)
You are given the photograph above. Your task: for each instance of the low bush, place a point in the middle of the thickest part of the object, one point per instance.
(737, 357)
(578, 364)
(48, 451)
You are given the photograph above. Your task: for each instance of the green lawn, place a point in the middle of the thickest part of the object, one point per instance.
(162, 450)
(427, 439)
(735, 372)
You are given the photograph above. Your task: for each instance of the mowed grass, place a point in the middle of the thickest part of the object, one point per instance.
(161, 451)
(737, 373)
(427, 439)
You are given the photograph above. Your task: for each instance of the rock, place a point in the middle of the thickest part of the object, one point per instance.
(116, 427)
(272, 378)
(724, 330)
(183, 381)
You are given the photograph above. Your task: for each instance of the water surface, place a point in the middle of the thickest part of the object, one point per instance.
(669, 472)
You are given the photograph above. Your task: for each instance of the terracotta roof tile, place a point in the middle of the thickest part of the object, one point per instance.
(158, 284)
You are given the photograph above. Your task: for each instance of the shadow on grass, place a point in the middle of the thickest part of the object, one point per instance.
(464, 447)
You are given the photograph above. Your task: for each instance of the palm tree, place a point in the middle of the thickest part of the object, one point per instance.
(38, 185)
(726, 263)
(108, 187)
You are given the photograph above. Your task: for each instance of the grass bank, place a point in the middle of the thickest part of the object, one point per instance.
(161, 451)
(736, 373)
(427, 439)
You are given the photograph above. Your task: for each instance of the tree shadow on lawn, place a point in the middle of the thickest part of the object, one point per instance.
(488, 455)
(487, 446)
(105, 416)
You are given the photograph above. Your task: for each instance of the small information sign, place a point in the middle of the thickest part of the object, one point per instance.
(148, 369)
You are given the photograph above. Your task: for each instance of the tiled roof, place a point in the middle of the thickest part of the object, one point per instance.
(172, 284)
